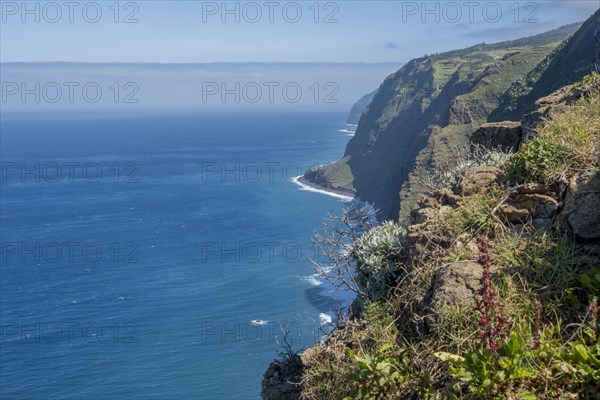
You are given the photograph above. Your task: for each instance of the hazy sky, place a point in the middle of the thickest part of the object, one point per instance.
(204, 31)
(324, 86)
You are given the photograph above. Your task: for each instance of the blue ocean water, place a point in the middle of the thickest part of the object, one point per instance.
(137, 251)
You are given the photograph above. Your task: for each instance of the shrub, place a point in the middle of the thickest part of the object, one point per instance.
(518, 370)
(565, 143)
(445, 171)
(376, 376)
(378, 254)
(336, 244)
(591, 79)
(591, 282)
(534, 160)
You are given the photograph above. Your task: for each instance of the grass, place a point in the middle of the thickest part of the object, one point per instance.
(336, 370)
(338, 174)
(543, 281)
(476, 214)
(443, 71)
(566, 143)
(391, 349)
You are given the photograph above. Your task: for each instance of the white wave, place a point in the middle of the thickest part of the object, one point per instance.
(308, 188)
(258, 322)
(346, 131)
(312, 279)
(325, 318)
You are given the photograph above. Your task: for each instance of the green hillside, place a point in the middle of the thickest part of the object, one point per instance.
(569, 63)
(428, 106)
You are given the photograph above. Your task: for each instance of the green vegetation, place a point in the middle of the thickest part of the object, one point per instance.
(378, 253)
(476, 214)
(590, 280)
(482, 79)
(336, 175)
(420, 114)
(568, 63)
(382, 373)
(525, 365)
(535, 159)
(359, 107)
(340, 174)
(569, 141)
(529, 329)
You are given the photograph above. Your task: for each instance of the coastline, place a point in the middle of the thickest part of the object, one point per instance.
(311, 187)
(349, 130)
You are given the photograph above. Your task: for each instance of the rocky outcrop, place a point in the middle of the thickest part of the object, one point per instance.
(283, 379)
(476, 180)
(555, 102)
(455, 285)
(504, 136)
(572, 205)
(509, 135)
(582, 205)
(334, 178)
(467, 110)
(539, 209)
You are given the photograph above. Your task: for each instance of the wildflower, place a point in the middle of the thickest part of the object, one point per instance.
(493, 326)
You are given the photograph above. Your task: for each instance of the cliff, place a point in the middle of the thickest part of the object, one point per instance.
(359, 107)
(427, 108)
(489, 287)
(570, 62)
(492, 289)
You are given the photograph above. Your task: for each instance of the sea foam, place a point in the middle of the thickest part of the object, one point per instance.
(309, 188)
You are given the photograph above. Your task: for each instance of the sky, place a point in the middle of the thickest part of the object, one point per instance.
(266, 31)
(322, 86)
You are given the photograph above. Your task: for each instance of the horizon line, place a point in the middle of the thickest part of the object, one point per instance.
(199, 62)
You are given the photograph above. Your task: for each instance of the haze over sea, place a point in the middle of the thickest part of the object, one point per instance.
(136, 251)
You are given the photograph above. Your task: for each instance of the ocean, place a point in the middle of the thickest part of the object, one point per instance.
(157, 256)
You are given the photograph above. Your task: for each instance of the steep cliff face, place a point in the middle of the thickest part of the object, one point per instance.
(406, 101)
(419, 113)
(571, 61)
(431, 101)
(359, 107)
(487, 82)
